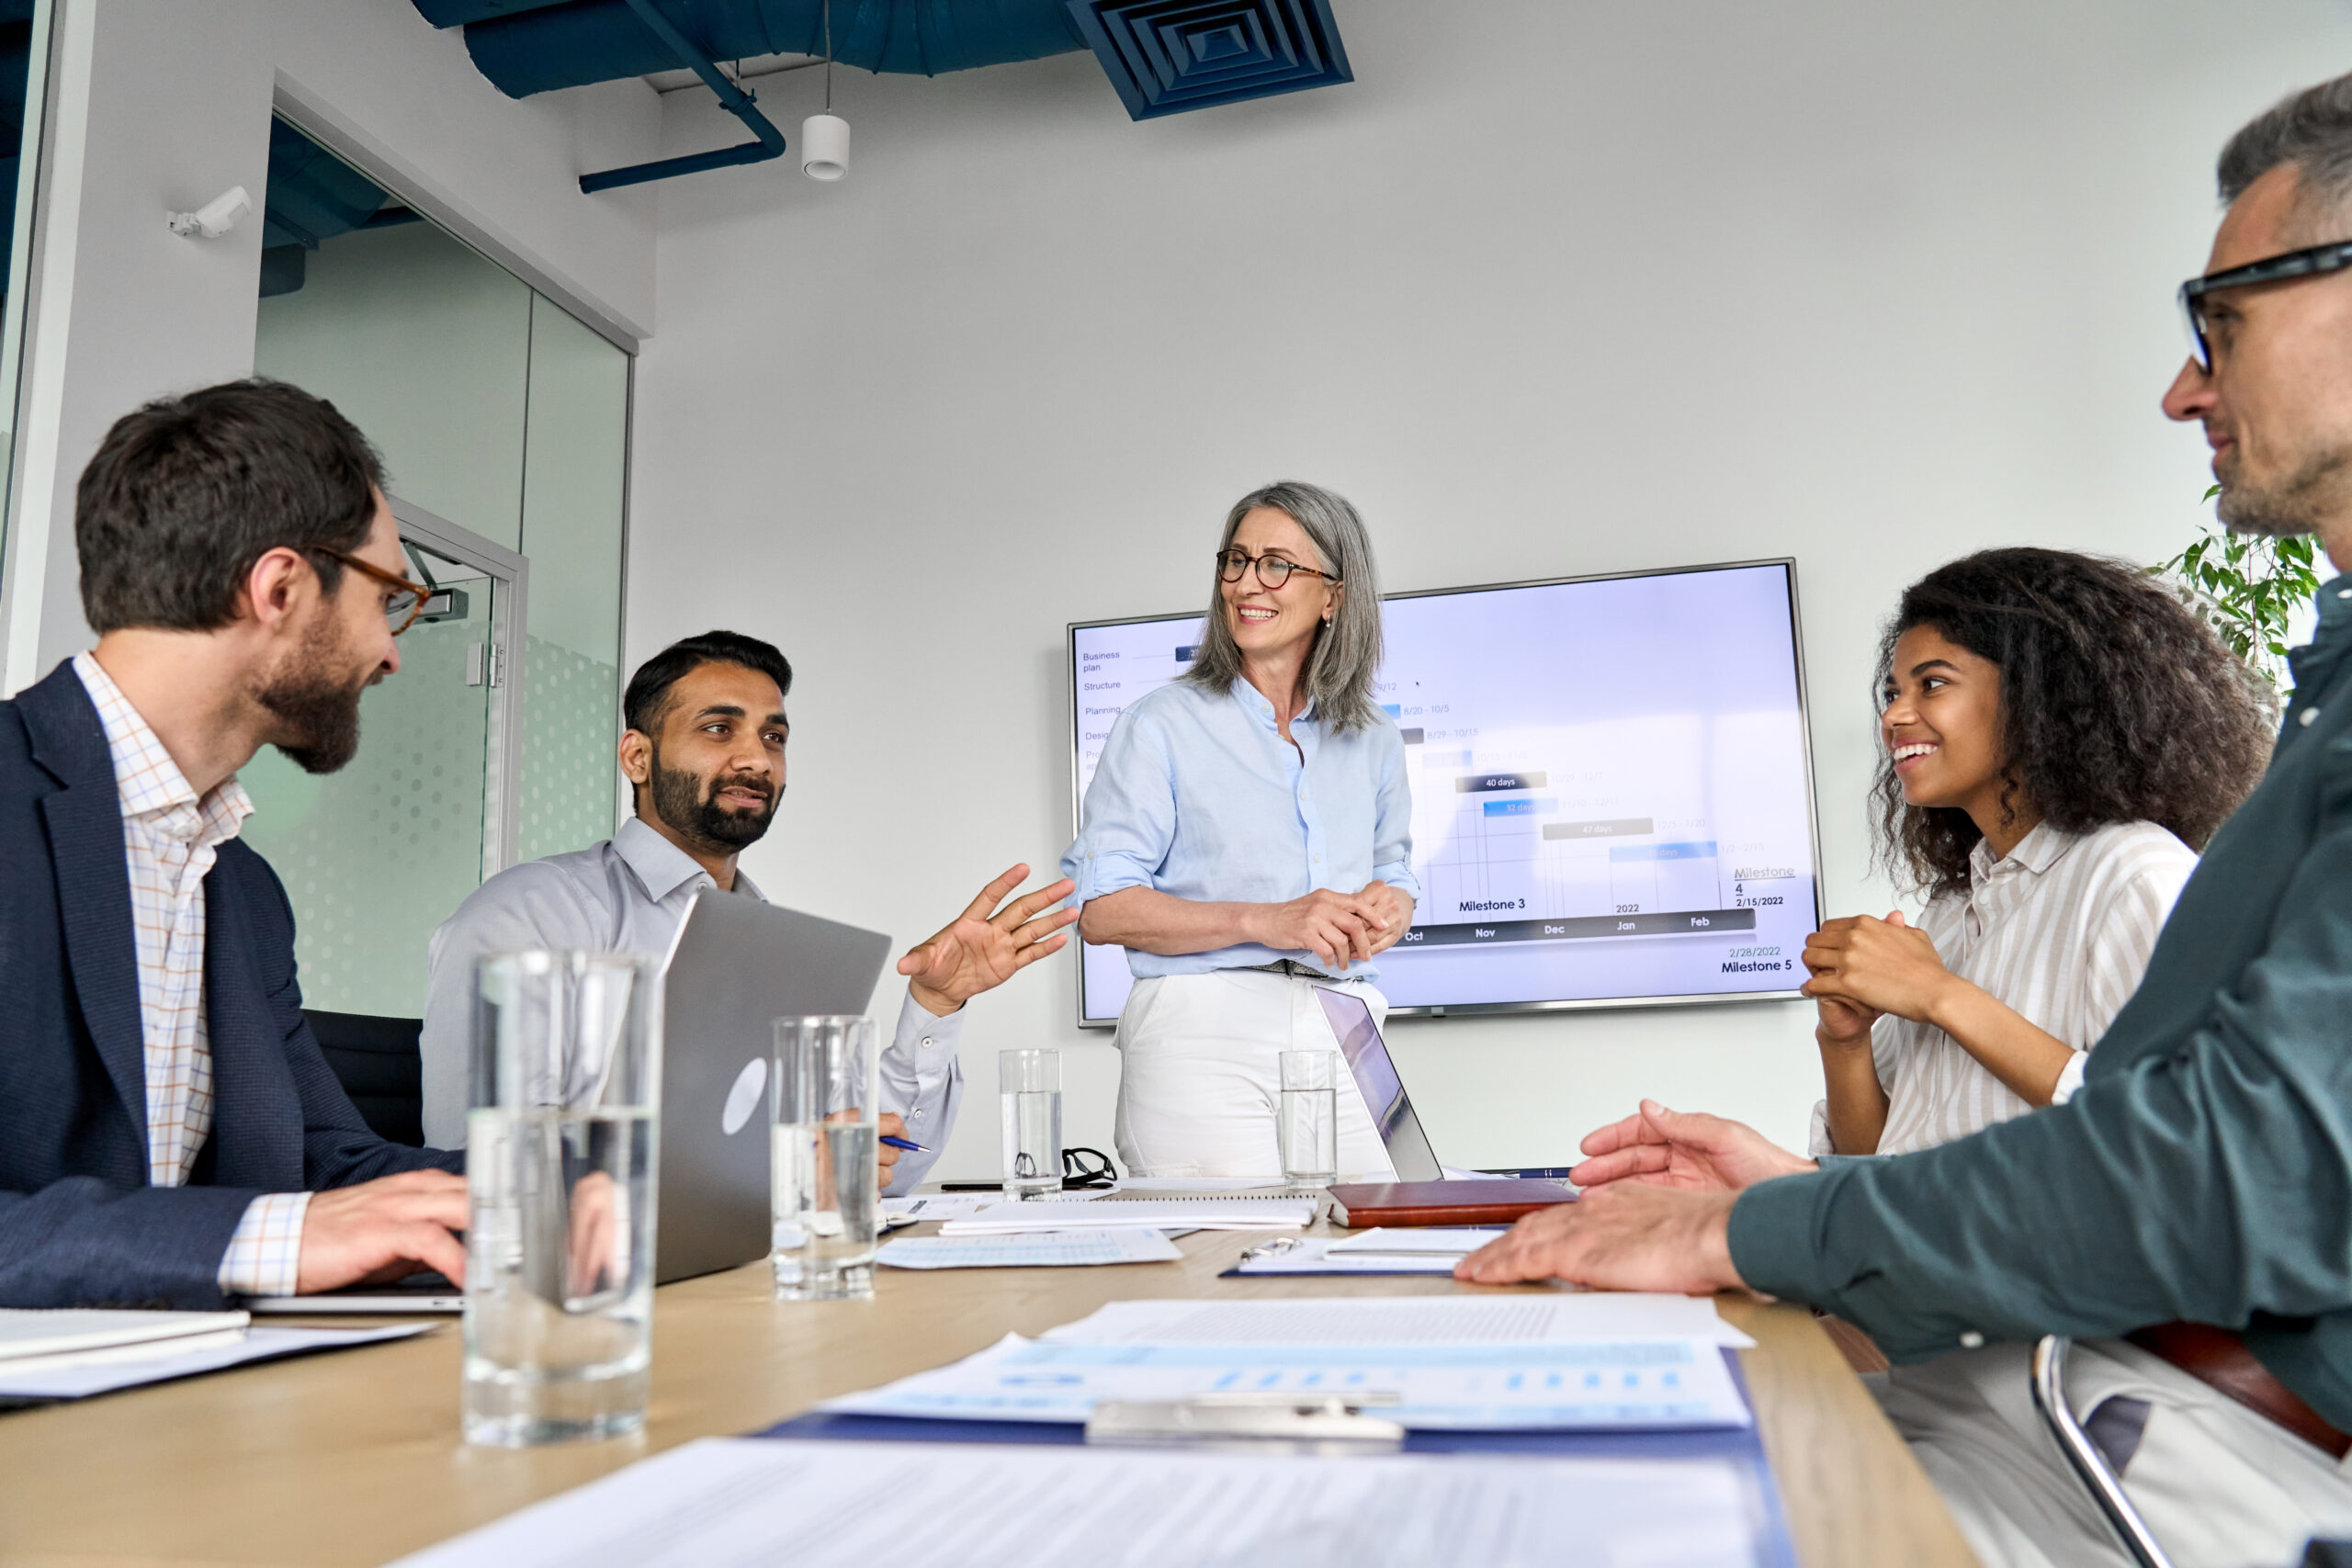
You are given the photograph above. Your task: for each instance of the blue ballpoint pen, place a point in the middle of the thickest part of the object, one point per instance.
(907, 1144)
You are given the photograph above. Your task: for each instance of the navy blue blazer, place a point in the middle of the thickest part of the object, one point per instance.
(79, 1224)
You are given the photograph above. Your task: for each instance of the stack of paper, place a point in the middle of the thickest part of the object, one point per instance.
(1194, 1213)
(1032, 1249)
(48, 1341)
(1407, 1320)
(833, 1504)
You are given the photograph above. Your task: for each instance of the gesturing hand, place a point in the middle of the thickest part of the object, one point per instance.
(984, 947)
(1887, 965)
(1622, 1237)
(1396, 911)
(383, 1230)
(1660, 1147)
(1339, 928)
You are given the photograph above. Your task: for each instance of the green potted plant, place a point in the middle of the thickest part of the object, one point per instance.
(2247, 587)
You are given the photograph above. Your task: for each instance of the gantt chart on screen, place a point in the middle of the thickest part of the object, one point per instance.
(1611, 800)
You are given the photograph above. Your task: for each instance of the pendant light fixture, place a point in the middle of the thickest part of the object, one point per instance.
(824, 138)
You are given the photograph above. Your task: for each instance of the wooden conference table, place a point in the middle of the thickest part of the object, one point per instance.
(354, 1458)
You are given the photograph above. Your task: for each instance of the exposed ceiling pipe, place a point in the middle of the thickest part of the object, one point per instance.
(769, 142)
(546, 47)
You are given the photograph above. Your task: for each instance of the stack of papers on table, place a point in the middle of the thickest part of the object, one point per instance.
(47, 1340)
(1028, 1249)
(1449, 1363)
(1429, 1251)
(70, 1354)
(837, 1504)
(1187, 1214)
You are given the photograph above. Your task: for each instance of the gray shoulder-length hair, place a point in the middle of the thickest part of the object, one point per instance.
(1347, 651)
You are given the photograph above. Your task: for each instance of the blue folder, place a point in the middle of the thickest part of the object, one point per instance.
(1767, 1525)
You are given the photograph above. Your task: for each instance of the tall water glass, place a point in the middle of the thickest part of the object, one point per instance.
(560, 1164)
(824, 1145)
(1310, 1117)
(1030, 1085)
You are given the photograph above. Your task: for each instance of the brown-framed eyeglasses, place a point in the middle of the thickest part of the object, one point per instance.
(408, 599)
(1272, 571)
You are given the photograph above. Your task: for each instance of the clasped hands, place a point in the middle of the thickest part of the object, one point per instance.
(1341, 928)
(1862, 966)
(1655, 1210)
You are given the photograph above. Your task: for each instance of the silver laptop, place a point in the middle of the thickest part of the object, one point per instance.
(735, 967)
(1383, 1091)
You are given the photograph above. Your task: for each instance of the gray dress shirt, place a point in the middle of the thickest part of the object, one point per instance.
(628, 894)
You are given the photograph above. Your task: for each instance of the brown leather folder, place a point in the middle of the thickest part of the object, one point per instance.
(1358, 1204)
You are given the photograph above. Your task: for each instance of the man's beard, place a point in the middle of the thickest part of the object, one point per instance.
(321, 713)
(2302, 503)
(690, 805)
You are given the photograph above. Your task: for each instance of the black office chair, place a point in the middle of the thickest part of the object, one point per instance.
(379, 1066)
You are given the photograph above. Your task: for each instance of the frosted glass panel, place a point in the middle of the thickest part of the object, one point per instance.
(377, 855)
(424, 345)
(575, 470)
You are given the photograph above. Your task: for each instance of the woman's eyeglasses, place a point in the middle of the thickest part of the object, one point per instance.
(408, 599)
(1078, 1176)
(1272, 571)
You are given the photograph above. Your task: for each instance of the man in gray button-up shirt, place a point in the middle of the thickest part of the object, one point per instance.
(704, 748)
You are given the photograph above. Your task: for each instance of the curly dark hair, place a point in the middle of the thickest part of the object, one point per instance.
(2117, 704)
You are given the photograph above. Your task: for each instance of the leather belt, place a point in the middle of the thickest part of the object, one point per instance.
(2218, 1358)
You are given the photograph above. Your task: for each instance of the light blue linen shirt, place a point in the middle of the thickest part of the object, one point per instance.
(1198, 795)
(628, 894)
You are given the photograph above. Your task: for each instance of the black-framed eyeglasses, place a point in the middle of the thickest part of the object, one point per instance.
(1272, 571)
(1078, 1175)
(408, 599)
(2311, 262)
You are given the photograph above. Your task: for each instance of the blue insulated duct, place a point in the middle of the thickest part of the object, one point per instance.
(525, 48)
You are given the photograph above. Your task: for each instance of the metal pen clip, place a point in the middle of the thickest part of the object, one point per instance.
(1251, 1422)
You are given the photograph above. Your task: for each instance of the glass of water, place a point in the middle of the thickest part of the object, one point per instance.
(1029, 1084)
(1310, 1117)
(559, 1167)
(824, 1151)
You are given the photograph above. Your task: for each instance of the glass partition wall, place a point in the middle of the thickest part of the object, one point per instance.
(503, 425)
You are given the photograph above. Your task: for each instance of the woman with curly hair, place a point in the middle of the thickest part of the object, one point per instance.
(2061, 736)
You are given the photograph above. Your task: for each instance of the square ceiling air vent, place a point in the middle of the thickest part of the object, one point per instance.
(1168, 56)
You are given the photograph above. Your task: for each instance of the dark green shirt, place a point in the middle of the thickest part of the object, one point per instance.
(2203, 1172)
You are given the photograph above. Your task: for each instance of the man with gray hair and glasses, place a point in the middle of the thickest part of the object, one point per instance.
(2188, 1215)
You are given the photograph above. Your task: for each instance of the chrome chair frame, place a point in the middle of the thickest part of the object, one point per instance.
(2049, 1382)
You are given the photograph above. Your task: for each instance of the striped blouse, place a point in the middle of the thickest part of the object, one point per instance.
(2059, 931)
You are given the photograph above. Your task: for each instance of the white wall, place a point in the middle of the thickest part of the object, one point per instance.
(161, 105)
(1549, 290)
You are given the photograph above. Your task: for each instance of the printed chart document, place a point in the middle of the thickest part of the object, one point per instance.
(1031, 1249)
(254, 1345)
(1579, 1385)
(1196, 1213)
(1407, 1320)
(828, 1505)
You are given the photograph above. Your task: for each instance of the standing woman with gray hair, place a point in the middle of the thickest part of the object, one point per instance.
(1247, 839)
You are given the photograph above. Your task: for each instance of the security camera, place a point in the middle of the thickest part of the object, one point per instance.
(216, 217)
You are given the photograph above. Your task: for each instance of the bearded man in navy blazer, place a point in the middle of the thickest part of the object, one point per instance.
(169, 1133)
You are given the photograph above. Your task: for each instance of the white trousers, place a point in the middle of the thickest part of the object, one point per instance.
(2219, 1485)
(1200, 1084)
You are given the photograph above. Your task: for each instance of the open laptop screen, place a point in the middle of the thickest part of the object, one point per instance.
(1383, 1091)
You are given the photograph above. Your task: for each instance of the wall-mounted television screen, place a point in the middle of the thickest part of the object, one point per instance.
(1613, 786)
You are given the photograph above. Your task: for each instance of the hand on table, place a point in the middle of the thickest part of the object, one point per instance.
(1660, 1147)
(379, 1231)
(985, 946)
(1624, 1236)
(1874, 966)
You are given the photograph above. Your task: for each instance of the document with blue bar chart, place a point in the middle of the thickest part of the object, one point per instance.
(1612, 785)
